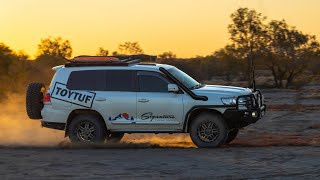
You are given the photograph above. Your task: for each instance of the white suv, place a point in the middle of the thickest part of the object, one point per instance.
(97, 98)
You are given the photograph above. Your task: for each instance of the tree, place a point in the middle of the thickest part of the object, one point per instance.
(13, 68)
(130, 48)
(102, 52)
(6, 57)
(246, 35)
(288, 52)
(167, 55)
(56, 47)
(278, 46)
(246, 31)
(21, 55)
(54, 51)
(230, 65)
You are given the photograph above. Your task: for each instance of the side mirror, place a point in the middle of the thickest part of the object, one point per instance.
(173, 88)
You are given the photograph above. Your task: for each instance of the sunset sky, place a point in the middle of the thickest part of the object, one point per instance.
(185, 27)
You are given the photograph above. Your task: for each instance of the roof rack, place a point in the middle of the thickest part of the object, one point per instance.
(117, 60)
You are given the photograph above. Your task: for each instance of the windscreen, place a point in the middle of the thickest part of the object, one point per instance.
(183, 77)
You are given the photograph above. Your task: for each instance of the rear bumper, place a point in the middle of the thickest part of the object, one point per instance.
(50, 114)
(240, 117)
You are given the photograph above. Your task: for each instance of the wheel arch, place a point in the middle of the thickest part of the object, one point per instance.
(195, 111)
(78, 112)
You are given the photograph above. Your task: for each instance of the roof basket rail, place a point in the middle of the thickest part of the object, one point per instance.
(117, 60)
(133, 61)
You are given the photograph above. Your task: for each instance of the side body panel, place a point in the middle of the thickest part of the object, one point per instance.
(117, 108)
(159, 111)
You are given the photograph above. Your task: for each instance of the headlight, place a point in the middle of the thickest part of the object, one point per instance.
(229, 101)
(244, 99)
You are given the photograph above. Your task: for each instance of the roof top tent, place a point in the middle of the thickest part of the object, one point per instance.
(118, 60)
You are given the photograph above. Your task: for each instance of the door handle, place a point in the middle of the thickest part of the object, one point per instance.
(100, 99)
(143, 100)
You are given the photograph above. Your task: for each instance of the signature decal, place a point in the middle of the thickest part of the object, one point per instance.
(150, 116)
(122, 116)
(80, 98)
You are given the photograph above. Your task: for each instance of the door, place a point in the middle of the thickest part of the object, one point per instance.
(157, 109)
(120, 100)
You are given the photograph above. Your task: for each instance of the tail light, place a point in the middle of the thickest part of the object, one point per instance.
(46, 98)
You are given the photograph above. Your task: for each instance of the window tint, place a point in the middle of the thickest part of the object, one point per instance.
(92, 80)
(119, 80)
(149, 83)
(184, 78)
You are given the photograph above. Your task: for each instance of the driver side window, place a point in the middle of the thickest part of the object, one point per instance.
(152, 82)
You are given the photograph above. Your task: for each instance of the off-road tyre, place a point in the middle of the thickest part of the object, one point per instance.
(208, 130)
(87, 129)
(232, 135)
(114, 137)
(34, 100)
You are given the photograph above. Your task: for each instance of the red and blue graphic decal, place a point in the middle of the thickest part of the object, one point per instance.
(123, 116)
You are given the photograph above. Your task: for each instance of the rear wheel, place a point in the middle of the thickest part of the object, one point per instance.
(87, 129)
(208, 130)
(232, 135)
(114, 137)
(34, 100)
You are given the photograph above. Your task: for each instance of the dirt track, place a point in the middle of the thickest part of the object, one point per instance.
(284, 144)
(235, 163)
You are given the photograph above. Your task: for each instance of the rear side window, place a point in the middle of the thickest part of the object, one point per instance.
(92, 80)
(120, 80)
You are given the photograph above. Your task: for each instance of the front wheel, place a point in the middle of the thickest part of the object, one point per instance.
(87, 129)
(208, 130)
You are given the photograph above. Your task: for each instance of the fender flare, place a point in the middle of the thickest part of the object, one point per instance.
(202, 107)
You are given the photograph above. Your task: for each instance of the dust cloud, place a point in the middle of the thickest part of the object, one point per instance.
(161, 140)
(16, 129)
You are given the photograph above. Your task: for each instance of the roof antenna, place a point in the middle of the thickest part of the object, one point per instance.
(251, 60)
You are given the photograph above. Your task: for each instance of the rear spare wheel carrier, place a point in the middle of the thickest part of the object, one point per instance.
(34, 100)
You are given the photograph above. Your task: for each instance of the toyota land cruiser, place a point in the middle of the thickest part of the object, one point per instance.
(99, 98)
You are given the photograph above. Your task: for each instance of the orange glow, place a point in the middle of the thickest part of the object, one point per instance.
(185, 27)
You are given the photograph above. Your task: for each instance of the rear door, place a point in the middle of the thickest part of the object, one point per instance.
(157, 109)
(110, 92)
(118, 101)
